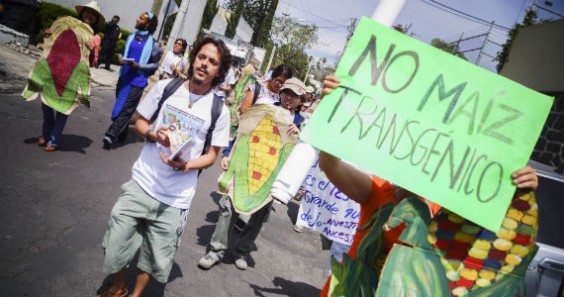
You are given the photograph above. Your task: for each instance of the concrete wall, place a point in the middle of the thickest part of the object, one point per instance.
(8, 34)
(536, 61)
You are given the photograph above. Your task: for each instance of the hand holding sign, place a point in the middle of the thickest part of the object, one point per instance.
(430, 122)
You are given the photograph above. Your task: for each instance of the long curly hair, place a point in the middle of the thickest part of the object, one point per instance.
(223, 52)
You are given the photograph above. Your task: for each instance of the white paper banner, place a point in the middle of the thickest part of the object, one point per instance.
(326, 210)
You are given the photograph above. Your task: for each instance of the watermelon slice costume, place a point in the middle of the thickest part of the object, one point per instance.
(61, 77)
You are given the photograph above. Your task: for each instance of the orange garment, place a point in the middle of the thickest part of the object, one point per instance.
(96, 40)
(382, 193)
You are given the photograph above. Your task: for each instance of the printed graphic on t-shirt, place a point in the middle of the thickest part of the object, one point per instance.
(182, 128)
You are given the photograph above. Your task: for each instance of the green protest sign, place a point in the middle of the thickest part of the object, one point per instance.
(430, 122)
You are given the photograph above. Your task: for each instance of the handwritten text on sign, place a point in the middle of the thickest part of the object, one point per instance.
(325, 209)
(429, 122)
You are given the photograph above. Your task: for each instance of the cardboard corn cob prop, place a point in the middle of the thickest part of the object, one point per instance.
(61, 75)
(443, 256)
(239, 92)
(262, 147)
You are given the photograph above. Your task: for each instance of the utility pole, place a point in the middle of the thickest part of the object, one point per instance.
(165, 16)
(193, 11)
(307, 72)
(178, 22)
(270, 60)
(351, 28)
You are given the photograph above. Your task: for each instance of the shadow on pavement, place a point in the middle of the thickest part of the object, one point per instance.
(153, 289)
(68, 143)
(287, 288)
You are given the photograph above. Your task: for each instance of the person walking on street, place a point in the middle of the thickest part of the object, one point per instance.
(140, 60)
(111, 35)
(152, 209)
(291, 93)
(62, 77)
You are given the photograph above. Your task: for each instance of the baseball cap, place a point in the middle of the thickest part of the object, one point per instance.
(294, 84)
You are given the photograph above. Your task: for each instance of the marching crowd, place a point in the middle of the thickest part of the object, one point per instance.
(193, 85)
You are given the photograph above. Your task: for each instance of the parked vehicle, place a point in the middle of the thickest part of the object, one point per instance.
(545, 275)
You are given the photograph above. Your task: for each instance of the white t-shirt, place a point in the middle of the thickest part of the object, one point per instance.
(229, 79)
(171, 59)
(160, 181)
(265, 96)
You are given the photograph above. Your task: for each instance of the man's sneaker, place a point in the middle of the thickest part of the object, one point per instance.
(107, 143)
(209, 260)
(298, 229)
(241, 263)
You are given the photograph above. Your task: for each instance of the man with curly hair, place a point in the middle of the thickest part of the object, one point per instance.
(152, 209)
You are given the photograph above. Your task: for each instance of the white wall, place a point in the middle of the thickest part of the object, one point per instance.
(244, 31)
(127, 10)
(219, 25)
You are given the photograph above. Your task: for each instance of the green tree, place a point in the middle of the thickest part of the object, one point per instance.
(528, 20)
(209, 13)
(291, 39)
(448, 47)
(322, 68)
(260, 15)
(234, 19)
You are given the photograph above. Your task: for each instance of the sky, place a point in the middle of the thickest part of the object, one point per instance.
(427, 20)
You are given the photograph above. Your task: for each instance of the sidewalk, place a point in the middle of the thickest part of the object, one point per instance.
(15, 67)
(103, 77)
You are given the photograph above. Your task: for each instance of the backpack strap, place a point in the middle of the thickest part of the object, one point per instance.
(257, 91)
(217, 107)
(170, 89)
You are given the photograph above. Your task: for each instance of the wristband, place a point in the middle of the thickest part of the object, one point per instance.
(186, 167)
(148, 136)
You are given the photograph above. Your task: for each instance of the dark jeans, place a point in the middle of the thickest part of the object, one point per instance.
(53, 124)
(220, 237)
(107, 52)
(118, 129)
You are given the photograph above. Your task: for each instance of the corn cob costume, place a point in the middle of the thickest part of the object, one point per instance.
(443, 256)
(262, 147)
(239, 92)
(62, 75)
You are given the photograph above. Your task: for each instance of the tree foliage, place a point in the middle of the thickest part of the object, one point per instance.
(260, 15)
(448, 47)
(528, 20)
(291, 39)
(234, 19)
(322, 68)
(209, 13)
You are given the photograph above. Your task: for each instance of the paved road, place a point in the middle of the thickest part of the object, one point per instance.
(55, 207)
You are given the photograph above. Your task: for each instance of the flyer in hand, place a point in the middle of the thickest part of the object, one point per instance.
(181, 129)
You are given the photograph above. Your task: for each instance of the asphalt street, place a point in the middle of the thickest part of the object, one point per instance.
(55, 206)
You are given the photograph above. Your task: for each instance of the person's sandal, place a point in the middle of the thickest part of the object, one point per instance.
(50, 148)
(121, 293)
(41, 141)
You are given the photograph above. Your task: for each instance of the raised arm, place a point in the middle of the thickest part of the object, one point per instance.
(351, 181)
(247, 102)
